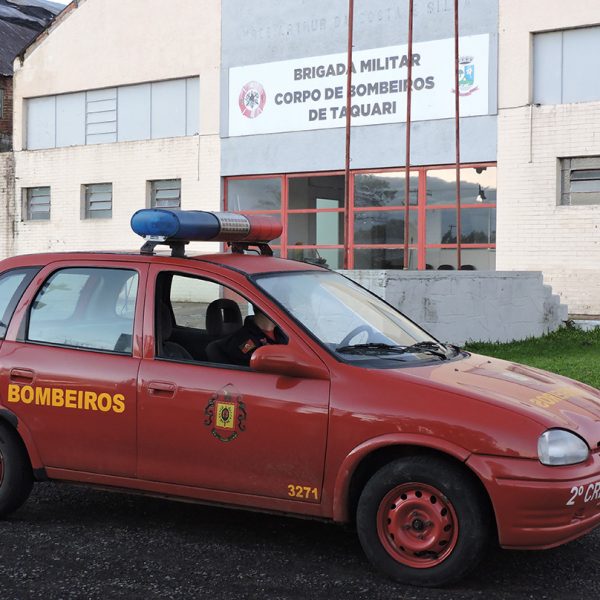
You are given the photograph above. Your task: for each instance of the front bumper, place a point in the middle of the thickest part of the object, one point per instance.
(538, 506)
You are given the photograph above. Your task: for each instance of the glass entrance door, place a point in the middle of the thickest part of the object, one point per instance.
(312, 208)
(316, 219)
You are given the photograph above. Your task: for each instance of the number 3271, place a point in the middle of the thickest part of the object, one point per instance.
(303, 492)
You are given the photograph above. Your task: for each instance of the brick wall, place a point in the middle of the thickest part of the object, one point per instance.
(7, 206)
(6, 91)
(534, 232)
(129, 166)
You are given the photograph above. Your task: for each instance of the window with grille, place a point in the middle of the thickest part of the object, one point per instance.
(580, 181)
(101, 116)
(165, 193)
(98, 201)
(145, 111)
(36, 204)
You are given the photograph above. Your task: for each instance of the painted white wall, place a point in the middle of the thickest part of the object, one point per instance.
(534, 232)
(104, 43)
(107, 43)
(463, 306)
(518, 20)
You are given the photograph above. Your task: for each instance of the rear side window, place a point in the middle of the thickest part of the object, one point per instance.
(12, 285)
(87, 308)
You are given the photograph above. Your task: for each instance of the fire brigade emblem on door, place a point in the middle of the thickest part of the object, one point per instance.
(226, 414)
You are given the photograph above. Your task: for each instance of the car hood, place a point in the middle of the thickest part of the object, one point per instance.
(548, 398)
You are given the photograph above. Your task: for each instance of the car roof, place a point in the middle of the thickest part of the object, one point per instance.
(253, 263)
(249, 264)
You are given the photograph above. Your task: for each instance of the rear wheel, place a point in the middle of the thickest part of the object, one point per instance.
(423, 521)
(16, 476)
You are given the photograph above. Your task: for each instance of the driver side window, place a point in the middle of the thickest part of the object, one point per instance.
(195, 318)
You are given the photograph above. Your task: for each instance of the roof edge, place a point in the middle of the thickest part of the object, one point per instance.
(44, 33)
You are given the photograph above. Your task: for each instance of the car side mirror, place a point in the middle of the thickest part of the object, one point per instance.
(284, 359)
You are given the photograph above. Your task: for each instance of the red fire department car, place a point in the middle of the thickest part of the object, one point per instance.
(113, 373)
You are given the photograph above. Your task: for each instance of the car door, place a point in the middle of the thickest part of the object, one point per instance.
(222, 427)
(69, 364)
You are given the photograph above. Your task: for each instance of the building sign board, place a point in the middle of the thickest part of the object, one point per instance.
(310, 93)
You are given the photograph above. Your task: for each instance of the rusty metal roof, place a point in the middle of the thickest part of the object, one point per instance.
(20, 23)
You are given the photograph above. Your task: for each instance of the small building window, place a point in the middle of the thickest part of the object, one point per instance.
(98, 201)
(563, 62)
(36, 204)
(1, 104)
(580, 181)
(165, 193)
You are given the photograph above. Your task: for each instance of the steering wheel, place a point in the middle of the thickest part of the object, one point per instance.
(355, 332)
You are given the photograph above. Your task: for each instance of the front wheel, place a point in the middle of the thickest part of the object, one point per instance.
(16, 476)
(423, 521)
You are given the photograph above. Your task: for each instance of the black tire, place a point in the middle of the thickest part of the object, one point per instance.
(423, 521)
(16, 475)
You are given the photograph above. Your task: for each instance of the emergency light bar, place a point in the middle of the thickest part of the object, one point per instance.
(176, 228)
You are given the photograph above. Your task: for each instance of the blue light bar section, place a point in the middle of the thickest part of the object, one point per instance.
(176, 225)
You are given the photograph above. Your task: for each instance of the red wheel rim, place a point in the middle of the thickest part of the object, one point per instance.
(417, 525)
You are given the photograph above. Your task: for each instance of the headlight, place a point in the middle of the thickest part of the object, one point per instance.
(560, 447)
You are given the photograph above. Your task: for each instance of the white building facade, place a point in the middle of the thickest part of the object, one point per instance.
(116, 109)
(549, 146)
(122, 105)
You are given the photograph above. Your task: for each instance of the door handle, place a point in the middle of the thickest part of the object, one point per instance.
(162, 388)
(22, 375)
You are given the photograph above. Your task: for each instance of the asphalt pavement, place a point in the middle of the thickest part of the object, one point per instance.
(71, 542)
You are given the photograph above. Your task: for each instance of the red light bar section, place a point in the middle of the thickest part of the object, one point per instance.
(263, 228)
(239, 227)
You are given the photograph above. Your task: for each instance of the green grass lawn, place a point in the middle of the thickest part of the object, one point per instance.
(568, 351)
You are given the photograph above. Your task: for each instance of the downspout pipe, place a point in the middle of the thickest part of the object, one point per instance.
(347, 258)
(408, 127)
(457, 137)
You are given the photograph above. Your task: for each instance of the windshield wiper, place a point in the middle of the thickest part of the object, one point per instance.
(422, 347)
(429, 347)
(360, 348)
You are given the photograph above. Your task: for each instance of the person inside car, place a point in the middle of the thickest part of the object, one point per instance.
(258, 330)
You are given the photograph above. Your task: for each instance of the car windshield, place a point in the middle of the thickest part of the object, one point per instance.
(349, 320)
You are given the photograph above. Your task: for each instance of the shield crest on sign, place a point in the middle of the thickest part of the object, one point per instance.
(466, 76)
